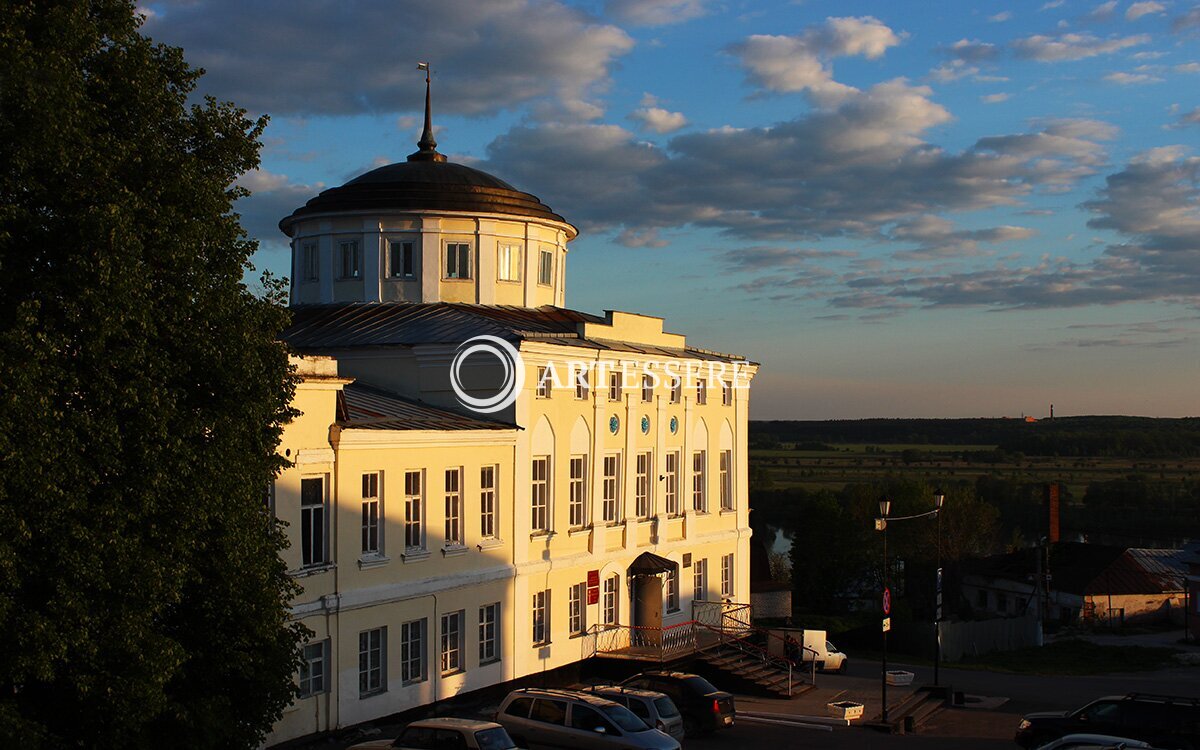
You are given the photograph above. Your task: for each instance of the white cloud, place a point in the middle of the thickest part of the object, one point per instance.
(1051, 5)
(798, 63)
(1001, 17)
(953, 71)
(850, 170)
(1189, 118)
(1131, 79)
(321, 58)
(1102, 12)
(1192, 67)
(972, 50)
(937, 237)
(1137, 10)
(1073, 46)
(1186, 22)
(994, 98)
(272, 197)
(655, 12)
(659, 120)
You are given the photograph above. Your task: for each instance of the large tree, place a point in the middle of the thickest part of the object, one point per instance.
(142, 392)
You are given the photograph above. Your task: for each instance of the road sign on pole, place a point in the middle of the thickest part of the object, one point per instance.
(887, 624)
(887, 601)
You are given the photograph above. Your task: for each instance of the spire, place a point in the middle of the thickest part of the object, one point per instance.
(427, 146)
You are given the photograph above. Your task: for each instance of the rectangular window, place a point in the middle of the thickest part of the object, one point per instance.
(701, 392)
(412, 651)
(314, 670)
(699, 482)
(458, 260)
(487, 502)
(671, 480)
(577, 621)
(725, 475)
(370, 513)
(314, 525)
(614, 386)
(726, 575)
(676, 389)
(452, 654)
(350, 265)
(673, 590)
(647, 388)
(540, 494)
(546, 268)
(578, 492)
(700, 580)
(508, 262)
(543, 382)
(454, 526)
(372, 656)
(414, 532)
(611, 496)
(645, 465)
(312, 261)
(726, 393)
(400, 259)
(541, 618)
(611, 585)
(489, 633)
(583, 384)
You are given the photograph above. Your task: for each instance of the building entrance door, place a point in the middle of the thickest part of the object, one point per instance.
(647, 608)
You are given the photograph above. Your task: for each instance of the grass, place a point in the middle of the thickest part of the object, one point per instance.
(1073, 657)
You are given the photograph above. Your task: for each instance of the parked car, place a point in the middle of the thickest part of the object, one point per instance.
(445, 734)
(704, 708)
(545, 718)
(1093, 742)
(835, 661)
(1161, 720)
(654, 708)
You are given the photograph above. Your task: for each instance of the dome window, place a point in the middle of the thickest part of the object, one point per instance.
(400, 259)
(351, 266)
(458, 260)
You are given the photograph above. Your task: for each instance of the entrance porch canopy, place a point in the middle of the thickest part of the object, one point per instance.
(650, 564)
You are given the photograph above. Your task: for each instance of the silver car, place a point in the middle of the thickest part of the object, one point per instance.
(545, 718)
(445, 733)
(655, 708)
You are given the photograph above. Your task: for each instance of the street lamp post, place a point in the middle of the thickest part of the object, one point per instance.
(939, 499)
(885, 505)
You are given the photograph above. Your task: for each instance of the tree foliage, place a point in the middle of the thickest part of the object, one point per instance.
(142, 395)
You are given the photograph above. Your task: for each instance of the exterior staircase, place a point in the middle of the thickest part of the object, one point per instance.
(768, 676)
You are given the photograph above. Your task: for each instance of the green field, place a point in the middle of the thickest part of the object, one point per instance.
(859, 462)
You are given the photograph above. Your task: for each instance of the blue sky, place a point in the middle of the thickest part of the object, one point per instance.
(899, 209)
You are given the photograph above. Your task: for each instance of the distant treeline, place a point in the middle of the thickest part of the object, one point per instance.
(1126, 437)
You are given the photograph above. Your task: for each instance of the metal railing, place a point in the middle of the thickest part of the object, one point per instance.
(755, 651)
(661, 644)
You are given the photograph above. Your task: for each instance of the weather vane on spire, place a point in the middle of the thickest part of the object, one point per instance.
(427, 146)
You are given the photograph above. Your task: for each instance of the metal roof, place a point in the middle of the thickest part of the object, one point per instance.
(425, 186)
(1091, 569)
(364, 407)
(383, 324)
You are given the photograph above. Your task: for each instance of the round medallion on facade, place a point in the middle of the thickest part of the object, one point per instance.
(674, 425)
(614, 424)
(645, 425)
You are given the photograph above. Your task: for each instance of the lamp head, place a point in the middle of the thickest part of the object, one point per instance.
(885, 507)
(939, 498)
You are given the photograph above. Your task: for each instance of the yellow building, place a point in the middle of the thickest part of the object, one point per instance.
(445, 544)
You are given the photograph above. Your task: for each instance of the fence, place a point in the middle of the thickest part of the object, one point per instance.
(968, 639)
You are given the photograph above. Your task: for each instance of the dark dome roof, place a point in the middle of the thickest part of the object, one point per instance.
(425, 185)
